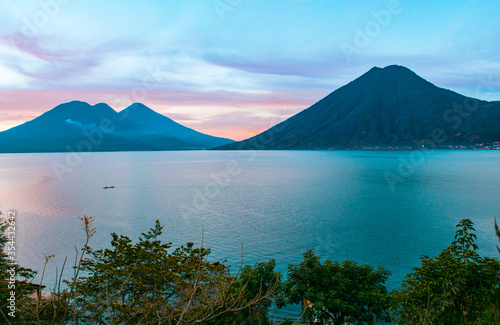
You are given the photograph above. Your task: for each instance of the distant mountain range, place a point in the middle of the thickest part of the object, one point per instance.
(78, 126)
(389, 108)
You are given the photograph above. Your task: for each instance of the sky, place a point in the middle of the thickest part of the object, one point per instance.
(234, 68)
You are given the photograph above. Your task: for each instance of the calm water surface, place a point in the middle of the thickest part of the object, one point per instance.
(277, 203)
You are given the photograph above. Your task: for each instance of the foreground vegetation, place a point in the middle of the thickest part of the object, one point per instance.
(148, 282)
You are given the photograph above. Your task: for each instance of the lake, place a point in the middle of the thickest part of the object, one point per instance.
(380, 208)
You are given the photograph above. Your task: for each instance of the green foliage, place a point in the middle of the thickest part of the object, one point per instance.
(147, 282)
(150, 282)
(256, 281)
(456, 287)
(336, 293)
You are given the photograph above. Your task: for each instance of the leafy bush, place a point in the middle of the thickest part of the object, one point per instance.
(336, 293)
(147, 282)
(456, 287)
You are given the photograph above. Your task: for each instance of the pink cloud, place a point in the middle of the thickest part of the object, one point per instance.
(32, 47)
(241, 125)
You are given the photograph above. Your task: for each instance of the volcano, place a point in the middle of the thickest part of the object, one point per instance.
(385, 108)
(79, 126)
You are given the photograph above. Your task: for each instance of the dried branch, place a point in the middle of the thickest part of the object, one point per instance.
(197, 280)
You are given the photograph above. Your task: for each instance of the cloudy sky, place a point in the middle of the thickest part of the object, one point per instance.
(234, 68)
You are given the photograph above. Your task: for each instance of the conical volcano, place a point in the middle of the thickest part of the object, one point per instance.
(389, 108)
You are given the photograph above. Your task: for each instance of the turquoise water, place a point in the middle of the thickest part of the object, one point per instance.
(381, 208)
